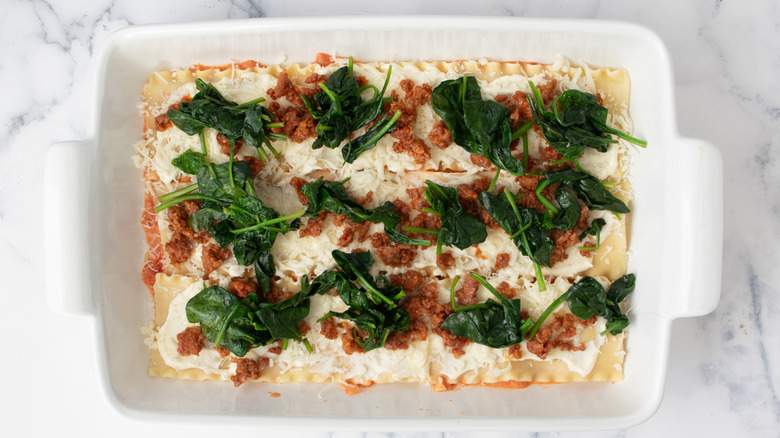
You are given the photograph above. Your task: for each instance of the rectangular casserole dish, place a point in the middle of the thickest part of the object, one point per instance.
(95, 244)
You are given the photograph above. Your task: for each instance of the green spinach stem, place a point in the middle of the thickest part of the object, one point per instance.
(420, 230)
(363, 282)
(554, 211)
(204, 149)
(265, 224)
(387, 126)
(522, 130)
(230, 166)
(387, 80)
(481, 280)
(253, 101)
(524, 240)
(624, 136)
(175, 201)
(495, 180)
(550, 309)
(525, 151)
(183, 191)
(333, 97)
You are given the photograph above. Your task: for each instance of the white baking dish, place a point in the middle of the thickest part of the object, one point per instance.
(95, 245)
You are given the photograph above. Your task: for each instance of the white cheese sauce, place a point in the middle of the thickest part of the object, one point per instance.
(329, 359)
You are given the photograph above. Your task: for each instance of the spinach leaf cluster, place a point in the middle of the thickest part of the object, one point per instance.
(232, 213)
(240, 324)
(574, 122)
(249, 121)
(372, 307)
(331, 196)
(587, 298)
(340, 110)
(479, 126)
(498, 324)
(530, 230)
(458, 228)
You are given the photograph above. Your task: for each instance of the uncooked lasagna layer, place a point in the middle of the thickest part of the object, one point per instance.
(379, 175)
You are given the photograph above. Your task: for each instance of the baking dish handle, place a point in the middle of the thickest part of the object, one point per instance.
(66, 196)
(700, 169)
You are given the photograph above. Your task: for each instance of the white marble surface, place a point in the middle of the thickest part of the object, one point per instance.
(724, 369)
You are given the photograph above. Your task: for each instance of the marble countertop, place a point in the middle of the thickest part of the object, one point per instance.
(724, 368)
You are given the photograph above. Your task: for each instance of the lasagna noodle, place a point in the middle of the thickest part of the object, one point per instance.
(608, 365)
(274, 187)
(388, 181)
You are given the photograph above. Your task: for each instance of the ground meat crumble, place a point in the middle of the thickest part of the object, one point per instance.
(468, 196)
(248, 369)
(502, 261)
(328, 328)
(348, 343)
(467, 294)
(241, 287)
(414, 96)
(297, 183)
(213, 256)
(190, 341)
(178, 248)
(557, 334)
(397, 255)
(440, 135)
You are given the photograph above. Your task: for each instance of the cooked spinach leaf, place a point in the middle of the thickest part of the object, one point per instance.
(373, 308)
(239, 324)
(587, 187)
(190, 162)
(569, 209)
(479, 126)
(367, 141)
(232, 213)
(331, 196)
(224, 182)
(587, 298)
(595, 230)
(340, 110)
(458, 228)
(248, 121)
(226, 320)
(575, 121)
(529, 230)
(447, 101)
(497, 324)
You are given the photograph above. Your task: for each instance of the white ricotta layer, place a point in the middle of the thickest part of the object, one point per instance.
(329, 359)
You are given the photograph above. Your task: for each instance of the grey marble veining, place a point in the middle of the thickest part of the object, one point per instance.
(724, 368)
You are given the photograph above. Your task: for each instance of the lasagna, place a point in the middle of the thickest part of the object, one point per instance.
(446, 223)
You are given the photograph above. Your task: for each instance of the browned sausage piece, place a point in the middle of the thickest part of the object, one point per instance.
(440, 135)
(328, 328)
(241, 287)
(502, 261)
(248, 369)
(178, 248)
(467, 295)
(213, 256)
(190, 341)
